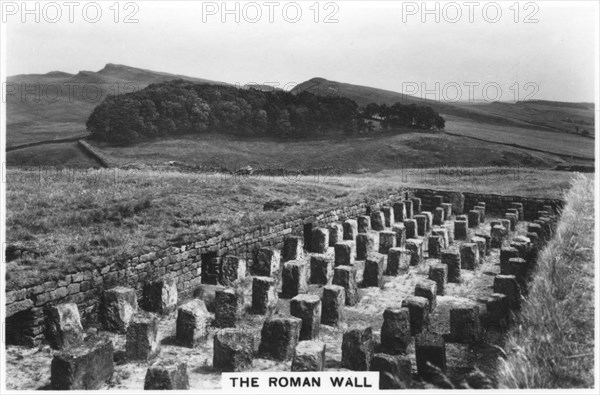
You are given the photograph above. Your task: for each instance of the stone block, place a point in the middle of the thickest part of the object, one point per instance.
(488, 242)
(460, 230)
(447, 210)
(481, 246)
(396, 330)
(192, 323)
(418, 308)
(334, 300)
(498, 234)
(365, 244)
(377, 221)
(233, 268)
(416, 204)
(117, 307)
(498, 310)
(88, 366)
(518, 267)
(506, 224)
(464, 323)
(408, 206)
(233, 350)
(439, 216)
(435, 247)
(400, 231)
(279, 337)
(357, 348)
(309, 356)
(167, 375)
(451, 258)
(268, 263)
(399, 211)
(438, 272)
(345, 276)
(294, 279)
(388, 216)
(387, 240)
(160, 296)
(374, 269)
(507, 253)
(293, 248)
(229, 305)
(395, 371)
(428, 290)
(336, 233)
(344, 253)
(469, 256)
(430, 348)
(429, 222)
(513, 218)
(364, 224)
(308, 309)
(350, 229)
(398, 261)
(142, 341)
(264, 295)
(321, 268)
(473, 218)
(421, 224)
(415, 246)
(508, 285)
(63, 326)
(411, 228)
(481, 210)
(319, 240)
(443, 232)
(207, 293)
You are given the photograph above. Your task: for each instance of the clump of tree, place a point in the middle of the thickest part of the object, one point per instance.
(400, 115)
(180, 107)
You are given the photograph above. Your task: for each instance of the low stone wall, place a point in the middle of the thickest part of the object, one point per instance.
(25, 307)
(495, 204)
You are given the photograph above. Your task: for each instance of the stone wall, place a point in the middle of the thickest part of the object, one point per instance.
(25, 307)
(495, 204)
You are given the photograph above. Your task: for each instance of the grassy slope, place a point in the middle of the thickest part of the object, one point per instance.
(78, 220)
(551, 142)
(65, 154)
(61, 106)
(343, 154)
(553, 345)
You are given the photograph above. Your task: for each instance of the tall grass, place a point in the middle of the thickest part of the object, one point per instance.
(552, 345)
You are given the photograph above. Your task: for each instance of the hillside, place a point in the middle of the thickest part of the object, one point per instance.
(557, 116)
(56, 105)
(536, 114)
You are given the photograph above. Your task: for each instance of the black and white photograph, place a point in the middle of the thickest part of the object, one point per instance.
(302, 197)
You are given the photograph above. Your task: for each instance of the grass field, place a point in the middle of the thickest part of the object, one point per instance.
(357, 154)
(552, 345)
(74, 220)
(61, 154)
(552, 142)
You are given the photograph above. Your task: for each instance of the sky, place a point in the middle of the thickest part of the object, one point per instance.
(483, 51)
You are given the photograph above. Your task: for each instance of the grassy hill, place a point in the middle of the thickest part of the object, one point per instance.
(556, 116)
(364, 95)
(56, 105)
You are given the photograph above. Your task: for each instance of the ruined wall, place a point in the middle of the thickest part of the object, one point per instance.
(495, 204)
(25, 307)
